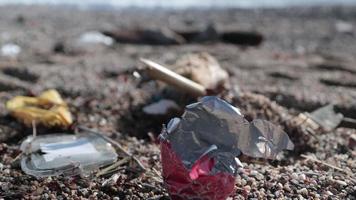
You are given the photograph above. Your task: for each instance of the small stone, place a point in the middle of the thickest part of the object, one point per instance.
(343, 183)
(294, 175)
(302, 177)
(102, 122)
(7, 171)
(303, 191)
(243, 182)
(329, 193)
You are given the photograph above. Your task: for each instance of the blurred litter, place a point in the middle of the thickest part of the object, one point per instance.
(324, 118)
(64, 154)
(47, 109)
(202, 68)
(163, 36)
(95, 37)
(344, 27)
(161, 107)
(200, 149)
(166, 36)
(10, 50)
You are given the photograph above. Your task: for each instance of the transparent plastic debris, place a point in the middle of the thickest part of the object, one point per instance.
(95, 37)
(206, 141)
(326, 117)
(67, 155)
(10, 50)
(48, 109)
(161, 107)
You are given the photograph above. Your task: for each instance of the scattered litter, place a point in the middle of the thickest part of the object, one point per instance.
(48, 109)
(344, 27)
(63, 154)
(159, 72)
(10, 50)
(199, 151)
(202, 68)
(95, 37)
(166, 36)
(161, 107)
(324, 118)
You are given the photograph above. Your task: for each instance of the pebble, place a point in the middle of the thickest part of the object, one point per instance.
(1, 166)
(343, 183)
(302, 177)
(303, 191)
(329, 193)
(294, 175)
(243, 182)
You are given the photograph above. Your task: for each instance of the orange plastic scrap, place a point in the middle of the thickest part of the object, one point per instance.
(48, 109)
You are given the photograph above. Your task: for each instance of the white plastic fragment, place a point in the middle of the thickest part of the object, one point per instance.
(161, 107)
(95, 37)
(344, 27)
(10, 50)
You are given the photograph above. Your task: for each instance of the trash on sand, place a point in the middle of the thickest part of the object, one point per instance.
(163, 36)
(95, 37)
(202, 68)
(344, 27)
(161, 107)
(159, 72)
(48, 109)
(324, 118)
(68, 155)
(10, 50)
(199, 150)
(243, 38)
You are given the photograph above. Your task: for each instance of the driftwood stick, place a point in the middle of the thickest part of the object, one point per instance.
(159, 72)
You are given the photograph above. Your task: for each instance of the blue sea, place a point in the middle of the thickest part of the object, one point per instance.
(181, 4)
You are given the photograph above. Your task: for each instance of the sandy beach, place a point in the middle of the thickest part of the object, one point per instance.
(307, 59)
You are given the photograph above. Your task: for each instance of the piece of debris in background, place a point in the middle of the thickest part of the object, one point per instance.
(67, 155)
(95, 37)
(199, 150)
(161, 107)
(202, 68)
(324, 118)
(344, 27)
(163, 36)
(166, 36)
(159, 72)
(47, 109)
(10, 50)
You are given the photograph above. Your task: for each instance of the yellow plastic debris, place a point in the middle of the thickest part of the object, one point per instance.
(48, 109)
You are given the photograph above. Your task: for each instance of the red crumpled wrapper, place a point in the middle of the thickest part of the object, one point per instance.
(197, 183)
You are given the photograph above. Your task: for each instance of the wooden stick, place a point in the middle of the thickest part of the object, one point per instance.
(159, 72)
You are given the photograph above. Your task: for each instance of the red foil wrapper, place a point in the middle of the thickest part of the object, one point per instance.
(197, 183)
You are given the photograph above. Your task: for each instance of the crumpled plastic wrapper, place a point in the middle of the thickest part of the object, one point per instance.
(202, 68)
(65, 154)
(48, 109)
(199, 150)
